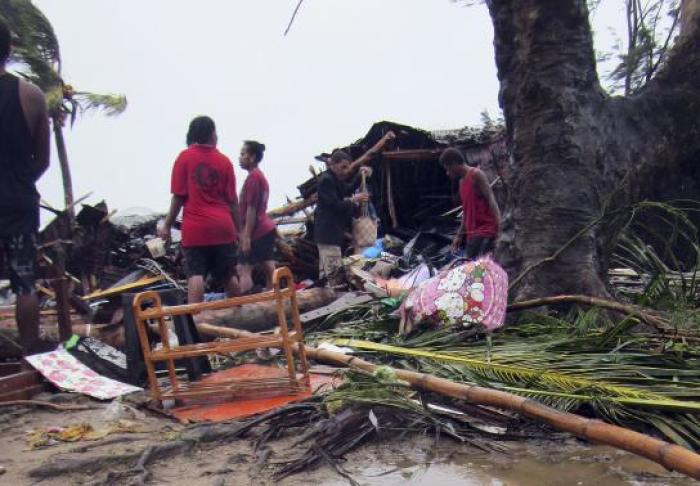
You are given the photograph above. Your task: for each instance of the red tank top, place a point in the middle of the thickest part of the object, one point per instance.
(477, 216)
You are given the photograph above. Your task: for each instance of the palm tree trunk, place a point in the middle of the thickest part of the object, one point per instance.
(690, 10)
(579, 154)
(65, 167)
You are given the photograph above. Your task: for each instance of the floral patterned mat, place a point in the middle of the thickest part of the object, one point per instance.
(67, 373)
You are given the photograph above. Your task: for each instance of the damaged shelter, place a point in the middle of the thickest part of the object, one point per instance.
(410, 190)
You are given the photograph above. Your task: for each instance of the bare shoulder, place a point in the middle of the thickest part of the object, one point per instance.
(480, 174)
(33, 99)
(31, 90)
(481, 177)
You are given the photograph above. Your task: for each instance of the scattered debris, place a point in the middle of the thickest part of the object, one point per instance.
(416, 383)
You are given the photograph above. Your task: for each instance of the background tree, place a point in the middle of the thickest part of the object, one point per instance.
(651, 28)
(37, 55)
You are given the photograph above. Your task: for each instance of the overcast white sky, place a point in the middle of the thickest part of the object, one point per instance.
(345, 65)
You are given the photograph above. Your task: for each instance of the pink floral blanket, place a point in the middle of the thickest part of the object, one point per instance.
(473, 293)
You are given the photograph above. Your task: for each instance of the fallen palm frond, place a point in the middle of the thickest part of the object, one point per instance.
(630, 388)
(572, 386)
(372, 320)
(659, 242)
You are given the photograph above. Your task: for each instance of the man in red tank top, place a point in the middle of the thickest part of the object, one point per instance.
(481, 218)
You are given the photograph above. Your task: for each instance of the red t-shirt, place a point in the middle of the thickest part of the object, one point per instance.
(204, 177)
(477, 216)
(254, 194)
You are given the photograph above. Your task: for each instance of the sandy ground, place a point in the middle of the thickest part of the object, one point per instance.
(414, 460)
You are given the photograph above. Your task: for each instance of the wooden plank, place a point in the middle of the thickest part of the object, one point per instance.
(65, 330)
(187, 309)
(345, 301)
(293, 207)
(9, 368)
(19, 380)
(23, 393)
(412, 155)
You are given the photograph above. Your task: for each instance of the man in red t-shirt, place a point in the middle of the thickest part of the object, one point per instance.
(204, 184)
(481, 218)
(259, 233)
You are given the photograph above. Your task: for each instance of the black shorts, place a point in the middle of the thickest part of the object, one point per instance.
(18, 259)
(261, 250)
(216, 260)
(479, 246)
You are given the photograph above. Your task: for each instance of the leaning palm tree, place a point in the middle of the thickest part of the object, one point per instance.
(37, 55)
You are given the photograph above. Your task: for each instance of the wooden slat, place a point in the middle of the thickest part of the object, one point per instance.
(412, 155)
(23, 393)
(220, 347)
(9, 368)
(21, 386)
(189, 309)
(19, 380)
(261, 387)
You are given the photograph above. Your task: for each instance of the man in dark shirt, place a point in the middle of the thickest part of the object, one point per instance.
(24, 156)
(336, 205)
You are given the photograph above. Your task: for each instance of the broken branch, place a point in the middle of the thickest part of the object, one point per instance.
(658, 323)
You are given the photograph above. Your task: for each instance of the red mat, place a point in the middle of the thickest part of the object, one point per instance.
(219, 410)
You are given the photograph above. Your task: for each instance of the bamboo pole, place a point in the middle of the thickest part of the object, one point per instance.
(670, 456)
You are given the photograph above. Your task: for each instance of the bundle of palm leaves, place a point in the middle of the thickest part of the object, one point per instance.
(628, 379)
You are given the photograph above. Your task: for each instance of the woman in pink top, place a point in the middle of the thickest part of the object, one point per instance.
(257, 238)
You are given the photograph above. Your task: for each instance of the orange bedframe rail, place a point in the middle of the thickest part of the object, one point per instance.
(148, 308)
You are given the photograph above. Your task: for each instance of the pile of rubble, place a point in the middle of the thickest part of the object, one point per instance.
(410, 191)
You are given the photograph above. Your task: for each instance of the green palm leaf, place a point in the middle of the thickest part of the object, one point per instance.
(108, 104)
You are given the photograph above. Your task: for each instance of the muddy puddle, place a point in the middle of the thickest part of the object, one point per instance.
(569, 462)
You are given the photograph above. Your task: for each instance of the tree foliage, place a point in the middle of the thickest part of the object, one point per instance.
(651, 28)
(37, 56)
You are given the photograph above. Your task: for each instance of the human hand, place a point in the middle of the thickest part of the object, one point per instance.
(245, 244)
(366, 171)
(457, 242)
(362, 197)
(164, 234)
